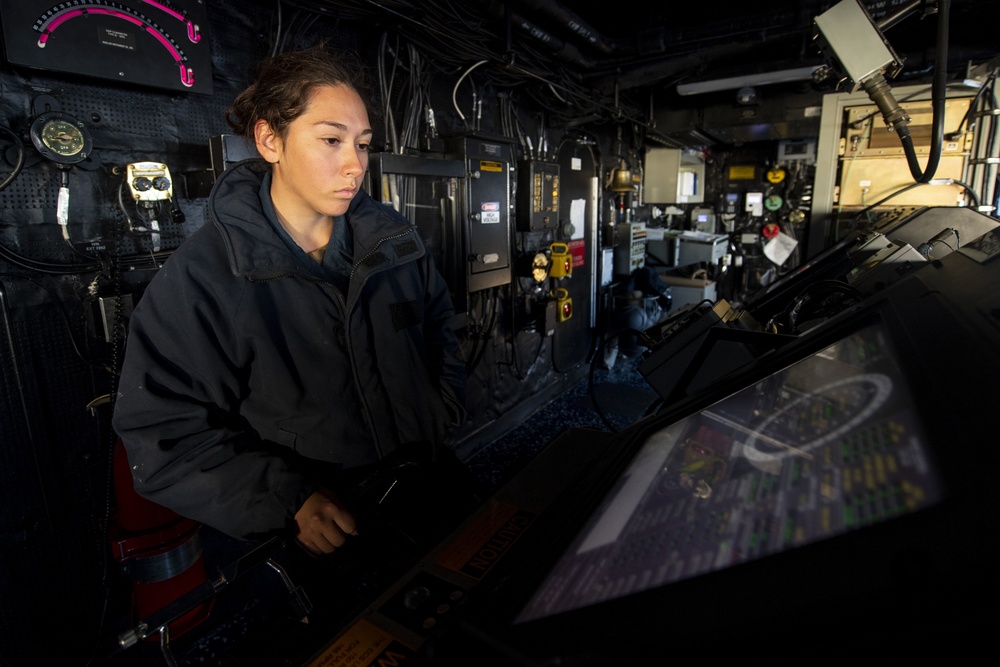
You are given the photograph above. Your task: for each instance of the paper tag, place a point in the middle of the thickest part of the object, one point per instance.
(62, 206)
(779, 248)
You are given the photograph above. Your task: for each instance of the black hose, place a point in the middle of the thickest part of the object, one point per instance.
(19, 163)
(939, 85)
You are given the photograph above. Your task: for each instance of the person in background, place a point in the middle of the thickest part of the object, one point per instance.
(300, 338)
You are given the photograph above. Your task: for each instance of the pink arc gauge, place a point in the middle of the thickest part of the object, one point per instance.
(156, 43)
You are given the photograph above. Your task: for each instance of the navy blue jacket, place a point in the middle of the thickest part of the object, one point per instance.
(233, 379)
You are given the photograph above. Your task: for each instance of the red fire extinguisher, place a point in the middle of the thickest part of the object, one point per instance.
(158, 549)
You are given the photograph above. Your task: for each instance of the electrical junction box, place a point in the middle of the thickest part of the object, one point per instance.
(662, 246)
(696, 247)
(797, 150)
(487, 209)
(537, 196)
(847, 33)
(630, 247)
(685, 291)
(673, 176)
(703, 220)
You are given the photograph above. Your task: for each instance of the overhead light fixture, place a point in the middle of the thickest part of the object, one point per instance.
(748, 80)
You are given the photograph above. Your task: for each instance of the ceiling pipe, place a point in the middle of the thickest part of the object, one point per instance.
(558, 12)
(654, 71)
(629, 73)
(636, 67)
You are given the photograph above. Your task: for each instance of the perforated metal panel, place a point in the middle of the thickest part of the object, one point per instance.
(55, 361)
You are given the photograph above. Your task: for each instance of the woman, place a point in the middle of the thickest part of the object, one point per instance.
(298, 338)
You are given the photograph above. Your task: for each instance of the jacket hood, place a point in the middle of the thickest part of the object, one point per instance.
(256, 251)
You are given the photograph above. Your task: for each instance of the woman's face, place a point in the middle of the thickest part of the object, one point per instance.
(318, 165)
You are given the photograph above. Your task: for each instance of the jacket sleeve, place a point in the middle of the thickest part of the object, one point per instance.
(445, 358)
(176, 409)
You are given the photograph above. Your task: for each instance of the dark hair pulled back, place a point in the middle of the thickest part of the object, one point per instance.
(285, 83)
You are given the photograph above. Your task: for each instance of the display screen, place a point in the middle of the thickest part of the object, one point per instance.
(825, 446)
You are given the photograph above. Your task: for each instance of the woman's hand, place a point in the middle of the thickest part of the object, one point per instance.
(324, 523)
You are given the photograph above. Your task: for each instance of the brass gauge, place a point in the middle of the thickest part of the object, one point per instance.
(60, 137)
(534, 265)
(540, 267)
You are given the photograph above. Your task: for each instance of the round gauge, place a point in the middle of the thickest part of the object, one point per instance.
(60, 137)
(776, 175)
(540, 267)
(773, 202)
(796, 216)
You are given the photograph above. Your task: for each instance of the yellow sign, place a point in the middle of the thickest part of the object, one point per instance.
(742, 172)
(364, 644)
(476, 551)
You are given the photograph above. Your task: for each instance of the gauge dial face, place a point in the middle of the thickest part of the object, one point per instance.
(60, 137)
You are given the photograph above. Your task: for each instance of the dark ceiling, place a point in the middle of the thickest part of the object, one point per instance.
(585, 60)
(668, 43)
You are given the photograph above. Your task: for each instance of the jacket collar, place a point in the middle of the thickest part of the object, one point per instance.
(256, 251)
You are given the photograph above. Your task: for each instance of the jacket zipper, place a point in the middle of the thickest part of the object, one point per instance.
(371, 252)
(369, 418)
(347, 331)
(347, 316)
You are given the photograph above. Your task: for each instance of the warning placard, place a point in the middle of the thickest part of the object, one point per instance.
(364, 644)
(486, 540)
